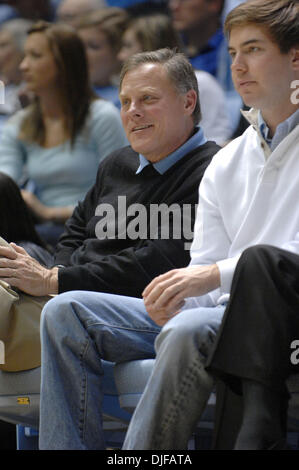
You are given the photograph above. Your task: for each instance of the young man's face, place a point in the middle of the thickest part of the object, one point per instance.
(157, 119)
(262, 75)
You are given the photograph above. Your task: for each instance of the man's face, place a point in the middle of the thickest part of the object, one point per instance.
(189, 14)
(156, 118)
(262, 75)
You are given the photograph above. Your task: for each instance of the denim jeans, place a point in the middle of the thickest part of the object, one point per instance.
(78, 329)
(179, 387)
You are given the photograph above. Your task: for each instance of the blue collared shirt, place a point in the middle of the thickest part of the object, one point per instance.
(282, 130)
(163, 165)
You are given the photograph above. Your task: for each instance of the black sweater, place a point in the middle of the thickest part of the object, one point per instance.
(120, 264)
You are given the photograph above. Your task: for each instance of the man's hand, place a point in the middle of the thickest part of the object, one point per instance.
(166, 294)
(20, 270)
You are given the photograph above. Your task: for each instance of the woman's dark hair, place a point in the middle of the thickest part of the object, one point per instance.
(16, 222)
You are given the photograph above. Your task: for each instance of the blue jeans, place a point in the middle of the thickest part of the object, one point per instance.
(78, 329)
(179, 387)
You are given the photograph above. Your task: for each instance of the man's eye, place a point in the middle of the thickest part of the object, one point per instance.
(253, 49)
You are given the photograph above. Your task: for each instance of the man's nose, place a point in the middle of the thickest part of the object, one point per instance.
(135, 109)
(238, 63)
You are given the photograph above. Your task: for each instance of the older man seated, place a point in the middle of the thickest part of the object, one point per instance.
(135, 223)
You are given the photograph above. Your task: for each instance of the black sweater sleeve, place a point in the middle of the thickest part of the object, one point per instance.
(127, 272)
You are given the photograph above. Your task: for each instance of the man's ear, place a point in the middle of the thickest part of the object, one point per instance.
(190, 101)
(295, 58)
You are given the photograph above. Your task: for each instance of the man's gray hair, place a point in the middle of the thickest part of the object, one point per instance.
(18, 29)
(178, 68)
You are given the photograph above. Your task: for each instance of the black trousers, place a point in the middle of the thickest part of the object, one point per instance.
(261, 320)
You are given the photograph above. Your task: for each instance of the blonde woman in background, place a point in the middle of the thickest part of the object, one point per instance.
(101, 31)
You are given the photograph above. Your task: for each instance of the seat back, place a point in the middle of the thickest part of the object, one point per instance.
(19, 397)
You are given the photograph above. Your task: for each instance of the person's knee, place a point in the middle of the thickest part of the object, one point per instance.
(54, 310)
(254, 252)
(256, 260)
(183, 334)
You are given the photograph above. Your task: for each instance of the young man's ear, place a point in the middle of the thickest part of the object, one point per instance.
(295, 58)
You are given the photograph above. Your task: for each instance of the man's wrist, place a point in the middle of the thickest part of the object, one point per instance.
(52, 281)
(215, 277)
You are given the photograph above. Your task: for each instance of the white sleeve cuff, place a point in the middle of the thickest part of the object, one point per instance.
(227, 269)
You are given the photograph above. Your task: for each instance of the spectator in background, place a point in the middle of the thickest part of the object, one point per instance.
(13, 34)
(69, 11)
(148, 33)
(101, 32)
(34, 9)
(16, 222)
(6, 13)
(151, 32)
(59, 140)
(200, 24)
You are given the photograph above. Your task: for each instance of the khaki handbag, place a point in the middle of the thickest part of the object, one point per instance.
(19, 329)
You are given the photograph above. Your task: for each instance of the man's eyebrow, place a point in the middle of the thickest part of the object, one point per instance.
(246, 43)
(145, 90)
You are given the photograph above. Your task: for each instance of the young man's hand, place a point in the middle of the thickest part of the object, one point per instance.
(166, 294)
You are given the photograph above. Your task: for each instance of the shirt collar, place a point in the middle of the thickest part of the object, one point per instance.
(197, 139)
(282, 130)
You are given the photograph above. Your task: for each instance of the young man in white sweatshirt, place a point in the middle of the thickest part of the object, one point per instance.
(248, 196)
